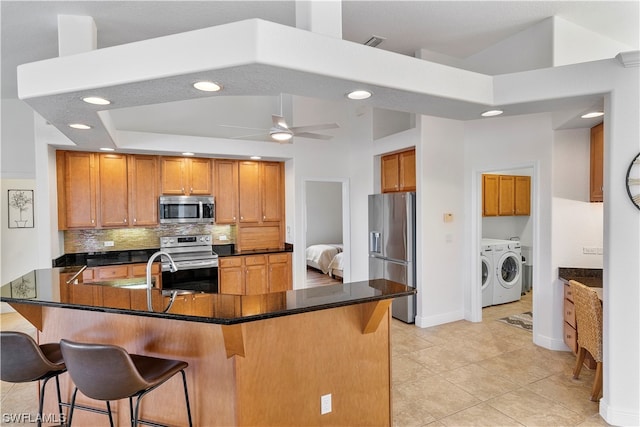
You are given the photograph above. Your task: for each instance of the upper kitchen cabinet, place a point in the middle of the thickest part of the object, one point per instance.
(596, 181)
(506, 195)
(106, 190)
(77, 189)
(186, 176)
(144, 189)
(114, 197)
(398, 171)
(226, 191)
(261, 191)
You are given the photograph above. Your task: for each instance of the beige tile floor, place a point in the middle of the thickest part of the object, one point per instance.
(458, 374)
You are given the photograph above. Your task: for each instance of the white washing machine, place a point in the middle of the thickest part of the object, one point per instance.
(507, 261)
(487, 274)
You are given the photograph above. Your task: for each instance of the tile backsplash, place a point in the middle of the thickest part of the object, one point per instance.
(80, 241)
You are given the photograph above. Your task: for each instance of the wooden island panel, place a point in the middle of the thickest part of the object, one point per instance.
(289, 362)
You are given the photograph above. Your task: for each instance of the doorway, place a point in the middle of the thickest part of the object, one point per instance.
(326, 232)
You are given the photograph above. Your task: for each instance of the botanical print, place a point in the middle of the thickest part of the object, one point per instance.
(24, 287)
(20, 208)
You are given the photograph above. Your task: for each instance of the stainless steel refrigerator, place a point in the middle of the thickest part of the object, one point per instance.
(392, 245)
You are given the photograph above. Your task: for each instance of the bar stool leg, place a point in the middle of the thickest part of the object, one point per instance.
(59, 400)
(73, 404)
(109, 413)
(186, 396)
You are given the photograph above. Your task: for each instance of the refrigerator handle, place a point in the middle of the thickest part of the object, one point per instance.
(375, 242)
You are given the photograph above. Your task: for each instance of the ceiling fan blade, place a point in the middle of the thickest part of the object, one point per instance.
(311, 135)
(243, 127)
(279, 121)
(254, 136)
(322, 126)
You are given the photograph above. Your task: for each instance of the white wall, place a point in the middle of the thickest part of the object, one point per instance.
(577, 223)
(440, 171)
(324, 212)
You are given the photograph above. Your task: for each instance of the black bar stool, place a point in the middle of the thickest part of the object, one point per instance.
(23, 360)
(108, 372)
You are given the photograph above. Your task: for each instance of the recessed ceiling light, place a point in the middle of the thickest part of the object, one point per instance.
(255, 157)
(492, 113)
(107, 149)
(359, 94)
(207, 86)
(96, 100)
(188, 154)
(80, 126)
(592, 114)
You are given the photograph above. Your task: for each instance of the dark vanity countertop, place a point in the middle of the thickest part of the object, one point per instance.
(44, 288)
(591, 277)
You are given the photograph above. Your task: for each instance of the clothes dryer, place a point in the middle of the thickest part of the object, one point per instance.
(507, 285)
(487, 274)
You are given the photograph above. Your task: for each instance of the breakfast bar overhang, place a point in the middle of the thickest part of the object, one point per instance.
(253, 359)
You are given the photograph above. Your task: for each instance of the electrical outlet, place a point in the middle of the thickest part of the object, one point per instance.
(599, 251)
(589, 250)
(325, 404)
(108, 243)
(222, 238)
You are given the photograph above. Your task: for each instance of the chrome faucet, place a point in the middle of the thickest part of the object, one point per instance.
(172, 268)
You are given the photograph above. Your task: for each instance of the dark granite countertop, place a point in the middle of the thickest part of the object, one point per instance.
(591, 277)
(101, 259)
(42, 287)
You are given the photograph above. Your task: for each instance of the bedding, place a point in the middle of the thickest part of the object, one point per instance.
(320, 256)
(335, 266)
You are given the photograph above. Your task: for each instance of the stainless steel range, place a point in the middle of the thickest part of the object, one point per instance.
(196, 262)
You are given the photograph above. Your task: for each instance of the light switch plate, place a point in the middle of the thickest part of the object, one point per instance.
(325, 404)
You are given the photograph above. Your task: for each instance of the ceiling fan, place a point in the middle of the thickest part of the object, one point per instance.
(281, 132)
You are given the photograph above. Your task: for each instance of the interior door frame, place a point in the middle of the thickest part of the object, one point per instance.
(346, 227)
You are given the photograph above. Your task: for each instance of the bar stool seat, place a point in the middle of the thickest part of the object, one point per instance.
(108, 372)
(23, 360)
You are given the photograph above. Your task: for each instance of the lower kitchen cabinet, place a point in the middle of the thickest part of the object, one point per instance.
(255, 274)
(198, 304)
(570, 333)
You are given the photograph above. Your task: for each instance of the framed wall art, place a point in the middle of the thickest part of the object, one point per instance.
(20, 209)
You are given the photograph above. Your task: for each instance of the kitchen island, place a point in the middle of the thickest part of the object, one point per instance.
(253, 359)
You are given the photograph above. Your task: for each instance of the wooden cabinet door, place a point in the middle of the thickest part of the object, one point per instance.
(199, 176)
(272, 191)
(143, 190)
(226, 191)
(202, 305)
(522, 195)
(389, 171)
(255, 278)
(79, 189)
(490, 195)
(280, 273)
(114, 196)
(173, 176)
(249, 192)
(407, 170)
(231, 276)
(506, 199)
(596, 180)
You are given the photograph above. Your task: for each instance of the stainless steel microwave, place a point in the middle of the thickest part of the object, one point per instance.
(187, 209)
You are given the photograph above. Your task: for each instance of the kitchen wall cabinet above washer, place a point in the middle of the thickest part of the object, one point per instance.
(506, 195)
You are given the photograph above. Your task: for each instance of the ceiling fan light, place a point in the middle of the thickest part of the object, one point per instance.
(281, 135)
(359, 94)
(207, 86)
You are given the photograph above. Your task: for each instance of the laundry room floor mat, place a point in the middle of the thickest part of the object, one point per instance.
(523, 320)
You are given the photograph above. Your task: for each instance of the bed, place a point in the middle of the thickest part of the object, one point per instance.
(320, 256)
(336, 267)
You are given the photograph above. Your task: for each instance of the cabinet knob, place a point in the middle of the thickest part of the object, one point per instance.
(191, 190)
(241, 217)
(135, 220)
(125, 220)
(93, 221)
(264, 217)
(234, 218)
(182, 190)
(568, 336)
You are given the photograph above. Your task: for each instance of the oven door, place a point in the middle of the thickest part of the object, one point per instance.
(191, 278)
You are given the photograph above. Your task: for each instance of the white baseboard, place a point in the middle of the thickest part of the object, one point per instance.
(549, 343)
(439, 319)
(617, 417)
